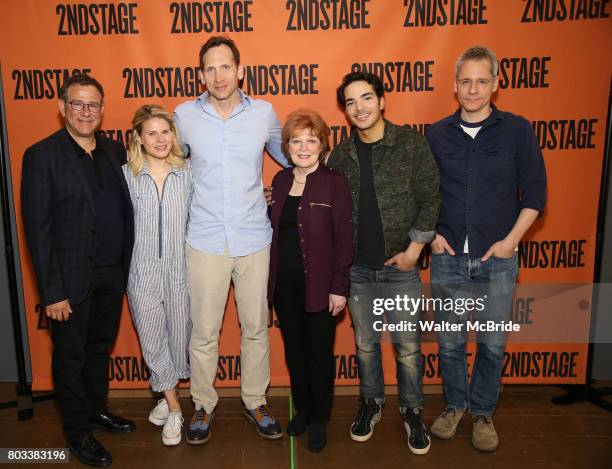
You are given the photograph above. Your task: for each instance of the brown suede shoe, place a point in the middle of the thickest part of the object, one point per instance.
(484, 436)
(445, 426)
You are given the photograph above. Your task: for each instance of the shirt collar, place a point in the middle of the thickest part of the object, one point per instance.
(145, 170)
(78, 148)
(455, 118)
(244, 98)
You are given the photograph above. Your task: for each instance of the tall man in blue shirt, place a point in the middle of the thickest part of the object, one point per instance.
(493, 186)
(229, 234)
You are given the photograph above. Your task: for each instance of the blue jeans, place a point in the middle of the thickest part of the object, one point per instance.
(368, 285)
(459, 277)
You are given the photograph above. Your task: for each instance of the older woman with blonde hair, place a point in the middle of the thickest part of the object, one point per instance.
(309, 268)
(159, 180)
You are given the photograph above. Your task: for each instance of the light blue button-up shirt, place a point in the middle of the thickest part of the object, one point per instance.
(228, 204)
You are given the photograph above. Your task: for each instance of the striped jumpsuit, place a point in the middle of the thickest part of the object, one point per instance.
(157, 283)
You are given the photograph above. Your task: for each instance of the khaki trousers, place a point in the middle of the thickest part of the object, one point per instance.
(209, 279)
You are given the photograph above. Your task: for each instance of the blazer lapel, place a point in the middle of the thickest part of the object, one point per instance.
(67, 148)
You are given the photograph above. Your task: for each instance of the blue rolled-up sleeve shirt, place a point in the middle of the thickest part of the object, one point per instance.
(228, 205)
(485, 181)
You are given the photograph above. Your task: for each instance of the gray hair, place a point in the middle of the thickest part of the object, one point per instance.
(477, 53)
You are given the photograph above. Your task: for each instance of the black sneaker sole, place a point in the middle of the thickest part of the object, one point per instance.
(198, 441)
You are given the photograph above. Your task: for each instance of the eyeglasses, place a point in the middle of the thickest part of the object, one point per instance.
(94, 108)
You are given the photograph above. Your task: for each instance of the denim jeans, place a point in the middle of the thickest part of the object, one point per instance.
(493, 281)
(368, 285)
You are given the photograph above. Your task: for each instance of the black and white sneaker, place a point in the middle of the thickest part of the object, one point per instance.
(369, 415)
(418, 438)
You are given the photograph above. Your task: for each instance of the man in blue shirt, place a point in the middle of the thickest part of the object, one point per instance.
(229, 234)
(493, 186)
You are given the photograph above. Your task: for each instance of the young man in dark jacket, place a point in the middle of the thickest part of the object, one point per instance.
(394, 183)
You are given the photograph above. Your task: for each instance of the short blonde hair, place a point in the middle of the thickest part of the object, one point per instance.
(136, 156)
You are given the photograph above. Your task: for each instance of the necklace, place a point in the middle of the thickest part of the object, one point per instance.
(305, 176)
(299, 182)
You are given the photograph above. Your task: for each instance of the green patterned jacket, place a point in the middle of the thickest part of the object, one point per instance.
(406, 181)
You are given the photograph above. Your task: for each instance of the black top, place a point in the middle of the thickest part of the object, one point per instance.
(370, 240)
(289, 252)
(109, 214)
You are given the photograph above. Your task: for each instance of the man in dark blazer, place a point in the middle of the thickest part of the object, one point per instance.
(78, 223)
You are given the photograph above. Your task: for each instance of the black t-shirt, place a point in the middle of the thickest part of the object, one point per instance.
(370, 239)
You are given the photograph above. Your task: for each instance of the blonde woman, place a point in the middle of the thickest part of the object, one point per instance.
(159, 180)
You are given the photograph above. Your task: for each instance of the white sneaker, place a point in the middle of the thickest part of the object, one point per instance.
(159, 414)
(173, 429)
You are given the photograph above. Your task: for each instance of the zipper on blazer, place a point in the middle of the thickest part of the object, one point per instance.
(312, 204)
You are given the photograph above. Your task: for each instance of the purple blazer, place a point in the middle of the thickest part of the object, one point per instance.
(325, 230)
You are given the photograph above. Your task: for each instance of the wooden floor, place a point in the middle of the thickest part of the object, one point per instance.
(534, 434)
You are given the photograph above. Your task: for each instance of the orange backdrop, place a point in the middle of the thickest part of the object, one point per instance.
(555, 71)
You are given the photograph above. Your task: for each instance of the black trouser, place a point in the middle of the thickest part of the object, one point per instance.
(309, 348)
(81, 351)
